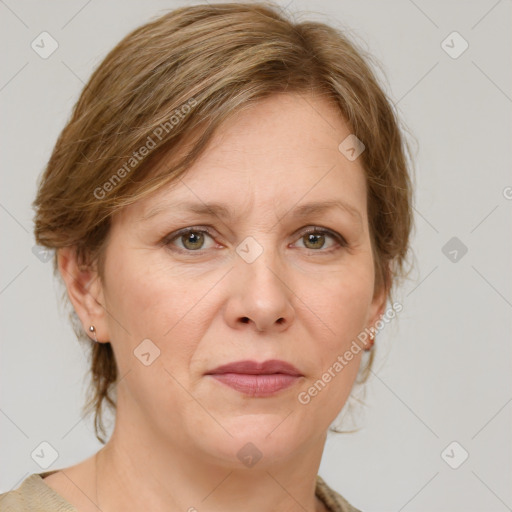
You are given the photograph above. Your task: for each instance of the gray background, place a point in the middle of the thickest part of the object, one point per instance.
(443, 369)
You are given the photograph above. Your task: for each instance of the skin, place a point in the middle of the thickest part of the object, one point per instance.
(178, 431)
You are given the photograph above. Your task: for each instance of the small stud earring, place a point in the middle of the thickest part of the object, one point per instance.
(372, 341)
(93, 331)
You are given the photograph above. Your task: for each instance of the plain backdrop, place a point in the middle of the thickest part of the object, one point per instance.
(436, 433)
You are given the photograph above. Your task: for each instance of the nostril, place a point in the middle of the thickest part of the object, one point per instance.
(245, 320)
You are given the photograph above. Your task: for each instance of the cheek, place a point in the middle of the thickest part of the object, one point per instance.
(150, 299)
(150, 295)
(154, 302)
(341, 306)
(341, 299)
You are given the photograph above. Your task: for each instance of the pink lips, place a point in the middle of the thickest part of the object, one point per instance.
(257, 379)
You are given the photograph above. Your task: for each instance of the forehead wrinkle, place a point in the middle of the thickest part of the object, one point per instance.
(227, 213)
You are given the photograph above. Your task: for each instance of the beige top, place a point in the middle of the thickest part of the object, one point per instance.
(34, 495)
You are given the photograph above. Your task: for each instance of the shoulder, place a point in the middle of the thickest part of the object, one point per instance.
(332, 500)
(34, 495)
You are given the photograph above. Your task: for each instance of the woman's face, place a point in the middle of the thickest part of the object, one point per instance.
(246, 283)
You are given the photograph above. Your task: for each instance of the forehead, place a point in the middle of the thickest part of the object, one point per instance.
(279, 152)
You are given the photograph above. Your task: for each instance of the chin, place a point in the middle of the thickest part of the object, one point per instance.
(257, 439)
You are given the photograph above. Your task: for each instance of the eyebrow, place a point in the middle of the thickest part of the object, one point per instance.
(223, 211)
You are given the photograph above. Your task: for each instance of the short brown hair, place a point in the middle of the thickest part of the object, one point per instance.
(185, 73)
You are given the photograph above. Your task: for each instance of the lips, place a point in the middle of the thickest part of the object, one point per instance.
(254, 368)
(257, 379)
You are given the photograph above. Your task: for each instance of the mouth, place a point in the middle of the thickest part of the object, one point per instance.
(257, 379)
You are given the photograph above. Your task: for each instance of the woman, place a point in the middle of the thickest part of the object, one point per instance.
(230, 208)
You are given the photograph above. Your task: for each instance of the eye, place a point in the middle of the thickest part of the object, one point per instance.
(192, 239)
(314, 239)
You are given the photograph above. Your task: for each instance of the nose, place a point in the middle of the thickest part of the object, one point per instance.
(260, 297)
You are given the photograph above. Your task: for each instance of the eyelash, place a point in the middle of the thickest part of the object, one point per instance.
(342, 243)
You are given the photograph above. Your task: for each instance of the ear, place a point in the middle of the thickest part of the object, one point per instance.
(378, 304)
(85, 291)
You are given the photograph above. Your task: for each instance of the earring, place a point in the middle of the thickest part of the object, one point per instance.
(372, 341)
(93, 331)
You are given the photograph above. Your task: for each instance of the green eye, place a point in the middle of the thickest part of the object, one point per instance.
(315, 239)
(194, 240)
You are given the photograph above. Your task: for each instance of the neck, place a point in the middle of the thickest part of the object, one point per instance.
(143, 472)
